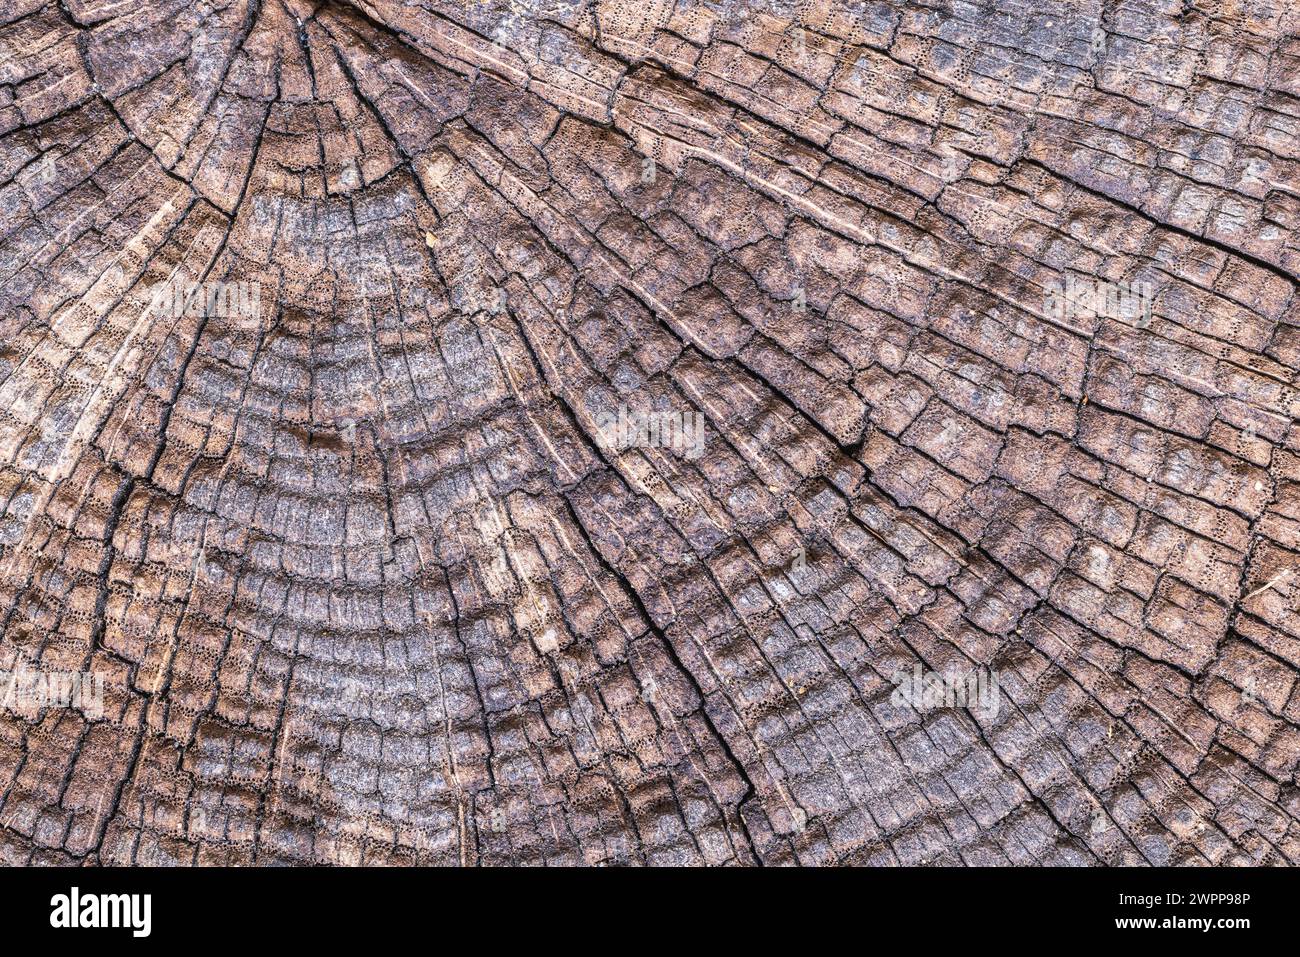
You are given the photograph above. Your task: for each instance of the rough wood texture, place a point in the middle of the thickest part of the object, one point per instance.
(363, 574)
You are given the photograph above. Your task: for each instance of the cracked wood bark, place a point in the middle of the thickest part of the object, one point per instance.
(365, 582)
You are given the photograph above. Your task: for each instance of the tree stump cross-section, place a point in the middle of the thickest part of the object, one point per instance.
(651, 432)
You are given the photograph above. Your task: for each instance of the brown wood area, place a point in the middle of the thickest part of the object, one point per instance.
(649, 432)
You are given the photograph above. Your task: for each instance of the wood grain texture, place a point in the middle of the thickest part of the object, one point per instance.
(369, 576)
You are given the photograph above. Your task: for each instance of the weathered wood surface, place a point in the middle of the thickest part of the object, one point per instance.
(365, 581)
